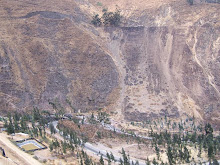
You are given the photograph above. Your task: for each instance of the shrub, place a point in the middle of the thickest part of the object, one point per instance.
(190, 2)
(99, 135)
(35, 157)
(96, 20)
(108, 18)
(99, 4)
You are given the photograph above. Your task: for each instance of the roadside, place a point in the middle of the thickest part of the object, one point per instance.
(95, 150)
(14, 154)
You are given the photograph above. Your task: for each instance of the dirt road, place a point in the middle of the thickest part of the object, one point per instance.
(14, 154)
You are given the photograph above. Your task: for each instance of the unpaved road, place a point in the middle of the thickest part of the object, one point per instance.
(14, 154)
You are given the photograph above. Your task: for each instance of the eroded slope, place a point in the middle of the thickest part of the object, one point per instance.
(163, 60)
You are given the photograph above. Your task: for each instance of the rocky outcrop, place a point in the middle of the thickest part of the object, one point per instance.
(171, 64)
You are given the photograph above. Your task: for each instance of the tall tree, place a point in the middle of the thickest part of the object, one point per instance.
(52, 129)
(101, 161)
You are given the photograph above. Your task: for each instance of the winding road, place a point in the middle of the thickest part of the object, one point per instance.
(96, 150)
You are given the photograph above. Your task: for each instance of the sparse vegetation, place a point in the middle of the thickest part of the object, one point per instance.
(99, 4)
(190, 2)
(96, 20)
(178, 145)
(107, 19)
(177, 142)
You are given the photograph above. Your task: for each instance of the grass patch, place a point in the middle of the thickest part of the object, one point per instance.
(99, 4)
(29, 147)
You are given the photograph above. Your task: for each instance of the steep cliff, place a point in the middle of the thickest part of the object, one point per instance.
(171, 62)
(162, 60)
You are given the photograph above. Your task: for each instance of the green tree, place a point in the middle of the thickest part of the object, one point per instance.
(52, 129)
(81, 161)
(110, 18)
(112, 157)
(10, 128)
(96, 20)
(99, 135)
(215, 162)
(23, 124)
(64, 146)
(190, 2)
(186, 154)
(101, 161)
(87, 161)
(109, 158)
(147, 161)
(36, 114)
(170, 155)
(210, 151)
(51, 147)
(121, 161)
(125, 158)
(162, 163)
(200, 150)
(16, 126)
(157, 151)
(154, 162)
(16, 116)
(208, 129)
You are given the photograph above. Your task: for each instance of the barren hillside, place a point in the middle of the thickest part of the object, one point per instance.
(162, 60)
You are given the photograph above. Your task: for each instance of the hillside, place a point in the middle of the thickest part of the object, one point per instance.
(162, 60)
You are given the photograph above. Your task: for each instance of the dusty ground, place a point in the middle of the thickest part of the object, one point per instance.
(141, 151)
(128, 7)
(44, 155)
(19, 137)
(14, 153)
(6, 161)
(88, 130)
(19, 157)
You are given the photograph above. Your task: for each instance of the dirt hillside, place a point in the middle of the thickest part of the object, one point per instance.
(162, 60)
